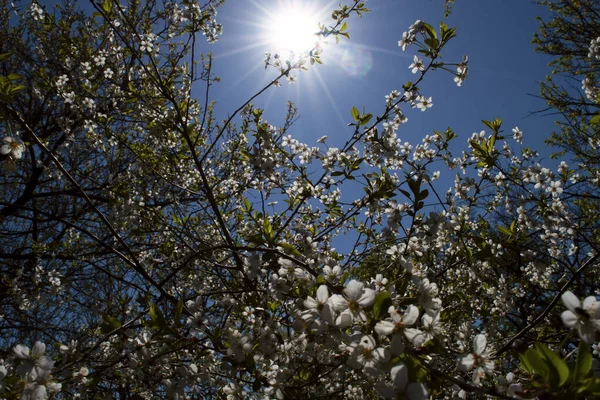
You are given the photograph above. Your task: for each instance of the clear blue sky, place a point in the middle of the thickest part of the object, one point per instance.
(504, 69)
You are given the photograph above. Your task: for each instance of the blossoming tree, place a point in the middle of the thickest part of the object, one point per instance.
(139, 258)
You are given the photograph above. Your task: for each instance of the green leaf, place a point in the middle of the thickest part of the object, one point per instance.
(430, 31)
(355, 114)
(432, 43)
(536, 364)
(525, 364)
(381, 304)
(404, 192)
(415, 186)
(422, 195)
(247, 205)
(593, 386)
(268, 228)
(344, 277)
(109, 324)
(364, 120)
(504, 230)
(595, 120)
(443, 27)
(5, 56)
(344, 27)
(289, 247)
(493, 125)
(178, 310)
(584, 362)
(559, 365)
(157, 316)
(107, 6)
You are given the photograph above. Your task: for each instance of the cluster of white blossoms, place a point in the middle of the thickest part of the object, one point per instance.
(462, 69)
(337, 310)
(594, 49)
(245, 295)
(589, 85)
(34, 368)
(410, 37)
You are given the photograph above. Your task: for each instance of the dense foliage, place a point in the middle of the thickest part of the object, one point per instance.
(149, 250)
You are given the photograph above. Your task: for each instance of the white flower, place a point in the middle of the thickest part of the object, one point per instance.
(407, 40)
(380, 282)
(512, 389)
(357, 298)
(399, 325)
(480, 358)
(462, 69)
(517, 135)
(409, 390)
(424, 103)
(417, 65)
(320, 305)
(13, 147)
(34, 391)
(35, 365)
(368, 357)
(332, 274)
(585, 318)
(234, 392)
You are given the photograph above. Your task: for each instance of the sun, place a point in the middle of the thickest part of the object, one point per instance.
(292, 28)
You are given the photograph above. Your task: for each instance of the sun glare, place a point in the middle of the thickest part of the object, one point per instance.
(292, 29)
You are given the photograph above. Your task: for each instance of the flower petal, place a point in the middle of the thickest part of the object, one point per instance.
(21, 351)
(38, 349)
(410, 315)
(310, 303)
(344, 320)
(327, 314)
(417, 391)
(399, 375)
(478, 373)
(417, 337)
(354, 290)
(570, 301)
(384, 328)
(479, 344)
(17, 153)
(338, 302)
(590, 304)
(569, 319)
(322, 294)
(587, 333)
(367, 298)
(515, 390)
(381, 354)
(466, 362)
(368, 342)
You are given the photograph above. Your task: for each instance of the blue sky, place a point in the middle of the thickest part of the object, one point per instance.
(503, 75)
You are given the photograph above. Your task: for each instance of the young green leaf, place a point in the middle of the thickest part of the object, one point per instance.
(355, 114)
(559, 366)
(381, 304)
